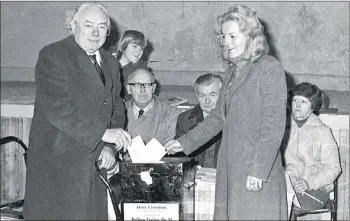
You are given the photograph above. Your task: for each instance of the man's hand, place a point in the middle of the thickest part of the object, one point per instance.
(254, 184)
(173, 146)
(301, 186)
(119, 137)
(106, 158)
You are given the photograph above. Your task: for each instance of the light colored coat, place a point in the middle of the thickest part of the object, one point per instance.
(251, 111)
(312, 154)
(158, 122)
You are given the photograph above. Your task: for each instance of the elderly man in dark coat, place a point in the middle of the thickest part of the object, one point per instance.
(207, 88)
(77, 109)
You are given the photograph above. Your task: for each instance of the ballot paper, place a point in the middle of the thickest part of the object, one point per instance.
(153, 152)
(291, 191)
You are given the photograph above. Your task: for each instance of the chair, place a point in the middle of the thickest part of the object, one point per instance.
(14, 209)
(110, 191)
(331, 206)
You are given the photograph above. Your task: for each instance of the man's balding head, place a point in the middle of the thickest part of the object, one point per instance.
(140, 74)
(141, 85)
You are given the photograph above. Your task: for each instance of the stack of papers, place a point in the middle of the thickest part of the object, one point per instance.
(205, 193)
(153, 152)
(175, 101)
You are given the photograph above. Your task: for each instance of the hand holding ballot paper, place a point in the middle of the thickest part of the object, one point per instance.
(141, 153)
(307, 200)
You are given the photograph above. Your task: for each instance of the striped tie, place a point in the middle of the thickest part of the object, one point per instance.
(98, 68)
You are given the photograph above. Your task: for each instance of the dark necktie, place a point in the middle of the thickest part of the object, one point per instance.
(98, 68)
(141, 112)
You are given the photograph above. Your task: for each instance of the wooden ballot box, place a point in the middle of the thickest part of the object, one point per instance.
(158, 191)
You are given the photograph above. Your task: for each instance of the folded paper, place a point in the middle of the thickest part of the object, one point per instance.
(150, 153)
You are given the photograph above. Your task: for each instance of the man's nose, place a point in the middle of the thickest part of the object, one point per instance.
(207, 100)
(95, 32)
(142, 89)
(298, 104)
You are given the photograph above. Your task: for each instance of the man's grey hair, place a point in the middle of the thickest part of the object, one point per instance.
(83, 7)
(207, 79)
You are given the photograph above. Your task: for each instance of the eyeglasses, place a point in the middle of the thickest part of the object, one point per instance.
(139, 85)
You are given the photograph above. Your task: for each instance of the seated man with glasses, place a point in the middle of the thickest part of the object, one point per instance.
(148, 116)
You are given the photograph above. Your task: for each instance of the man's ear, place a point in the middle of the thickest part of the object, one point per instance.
(73, 26)
(197, 96)
(128, 89)
(154, 86)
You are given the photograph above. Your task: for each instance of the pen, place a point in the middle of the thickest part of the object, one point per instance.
(312, 197)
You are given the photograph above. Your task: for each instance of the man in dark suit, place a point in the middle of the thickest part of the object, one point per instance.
(77, 109)
(207, 88)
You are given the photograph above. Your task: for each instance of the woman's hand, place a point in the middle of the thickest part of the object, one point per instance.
(301, 186)
(254, 184)
(173, 146)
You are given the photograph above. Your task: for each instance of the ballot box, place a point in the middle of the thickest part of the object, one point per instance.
(158, 191)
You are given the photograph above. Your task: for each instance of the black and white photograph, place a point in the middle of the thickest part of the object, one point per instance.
(174, 110)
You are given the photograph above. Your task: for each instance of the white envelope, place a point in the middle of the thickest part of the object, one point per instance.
(291, 191)
(154, 151)
(150, 153)
(136, 149)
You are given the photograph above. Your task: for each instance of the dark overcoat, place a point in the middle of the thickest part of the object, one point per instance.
(251, 110)
(72, 111)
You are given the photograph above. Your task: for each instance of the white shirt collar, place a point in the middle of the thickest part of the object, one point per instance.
(136, 109)
(205, 114)
(98, 57)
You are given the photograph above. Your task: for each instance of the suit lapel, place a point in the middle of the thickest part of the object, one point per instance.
(235, 83)
(197, 114)
(88, 68)
(84, 62)
(105, 61)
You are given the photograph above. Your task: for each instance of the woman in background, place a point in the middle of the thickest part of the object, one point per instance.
(311, 155)
(130, 51)
(251, 112)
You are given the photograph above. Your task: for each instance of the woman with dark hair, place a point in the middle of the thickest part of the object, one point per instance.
(251, 112)
(311, 155)
(130, 51)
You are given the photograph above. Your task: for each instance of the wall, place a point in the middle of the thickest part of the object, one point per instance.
(311, 39)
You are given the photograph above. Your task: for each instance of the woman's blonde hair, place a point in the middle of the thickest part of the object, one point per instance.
(132, 36)
(250, 26)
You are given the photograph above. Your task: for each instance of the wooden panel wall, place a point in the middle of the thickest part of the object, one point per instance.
(13, 169)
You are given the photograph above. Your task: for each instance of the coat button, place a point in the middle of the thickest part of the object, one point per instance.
(104, 103)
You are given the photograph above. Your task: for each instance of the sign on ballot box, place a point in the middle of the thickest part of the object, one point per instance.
(158, 191)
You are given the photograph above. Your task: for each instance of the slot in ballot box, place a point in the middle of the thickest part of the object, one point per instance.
(158, 191)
